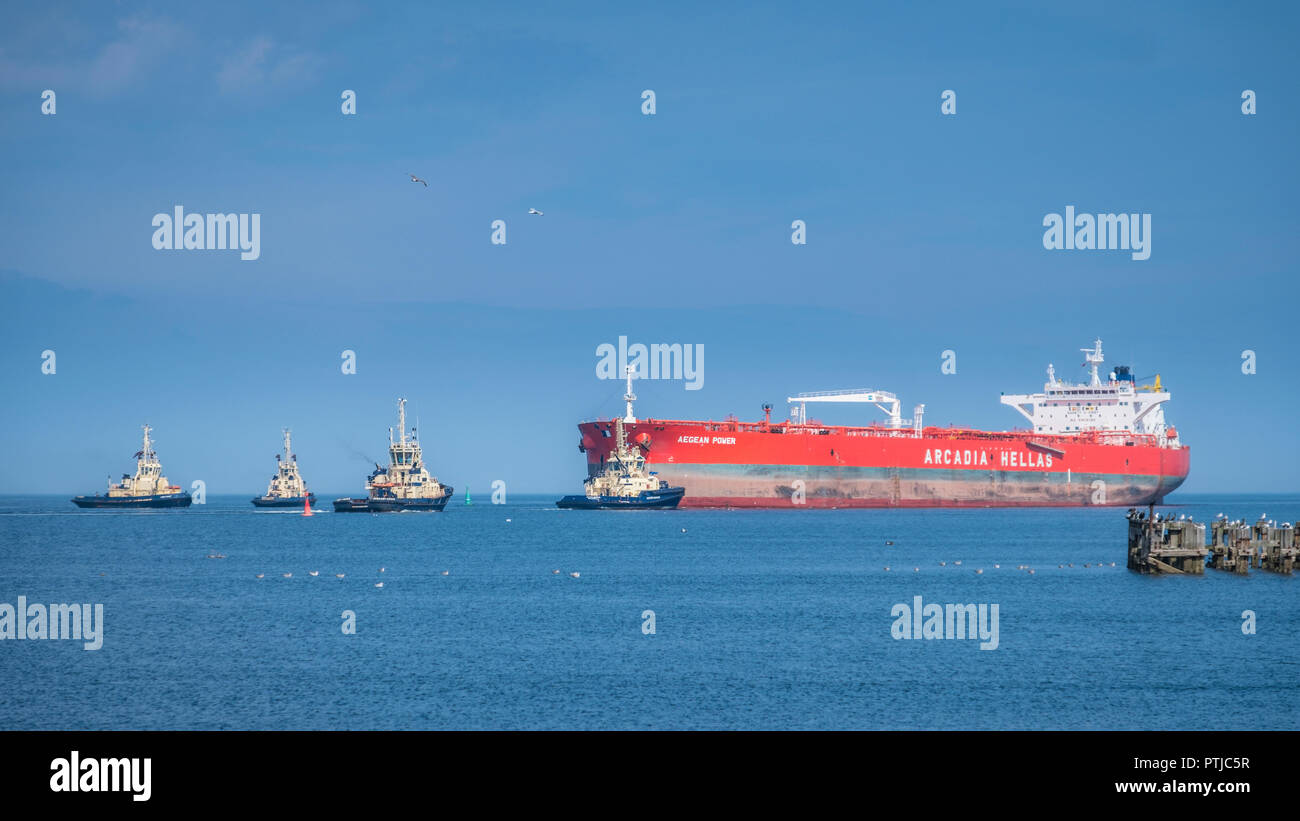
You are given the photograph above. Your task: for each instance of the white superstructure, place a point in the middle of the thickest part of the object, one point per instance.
(287, 483)
(148, 479)
(623, 473)
(1115, 404)
(406, 477)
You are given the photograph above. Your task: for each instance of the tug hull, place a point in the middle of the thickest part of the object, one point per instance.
(645, 500)
(155, 500)
(284, 501)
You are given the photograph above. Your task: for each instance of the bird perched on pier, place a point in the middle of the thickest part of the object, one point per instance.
(417, 179)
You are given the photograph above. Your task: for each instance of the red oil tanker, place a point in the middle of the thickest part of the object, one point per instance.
(1101, 443)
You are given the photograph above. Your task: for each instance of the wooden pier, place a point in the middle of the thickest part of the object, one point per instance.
(1277, 546)
(1230, 546)
(1162, 544)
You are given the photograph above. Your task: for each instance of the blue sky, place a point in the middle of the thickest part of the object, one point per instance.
(924, 231)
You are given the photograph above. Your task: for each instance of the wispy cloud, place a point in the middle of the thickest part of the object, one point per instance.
(263, 64)
(139, 45)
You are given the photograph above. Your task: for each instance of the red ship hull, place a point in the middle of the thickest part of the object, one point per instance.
(761, 465)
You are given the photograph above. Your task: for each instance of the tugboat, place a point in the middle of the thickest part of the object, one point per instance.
(147, 489)
(623, 483)
(405, 485)
(287, 488)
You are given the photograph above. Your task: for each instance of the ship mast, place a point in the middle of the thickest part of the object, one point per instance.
(286, 446)
(629, 397)
(1094, 358)
(401, 420)
(144, 450)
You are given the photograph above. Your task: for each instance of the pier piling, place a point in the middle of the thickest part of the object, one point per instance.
(1158, 544)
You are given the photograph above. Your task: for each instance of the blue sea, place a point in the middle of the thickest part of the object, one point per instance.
(762, 619)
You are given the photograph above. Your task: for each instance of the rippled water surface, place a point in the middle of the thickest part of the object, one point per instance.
(763, 619)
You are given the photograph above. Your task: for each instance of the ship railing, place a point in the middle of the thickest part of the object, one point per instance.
(816, 428)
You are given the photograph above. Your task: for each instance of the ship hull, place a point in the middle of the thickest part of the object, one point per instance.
(645, 500)
(384, 505)
(351, 506)
(731, 464)
(400, 505)
(157, 500)
(284, 501)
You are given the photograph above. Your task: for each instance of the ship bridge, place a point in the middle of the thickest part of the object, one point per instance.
(1113, 404)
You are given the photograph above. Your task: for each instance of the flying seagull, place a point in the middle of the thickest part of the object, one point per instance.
(534, 212)
(417, 179)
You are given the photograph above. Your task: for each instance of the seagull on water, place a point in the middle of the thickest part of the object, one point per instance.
(534, 212)
(338, 575)
(379, 584)
(417, 179)
(313, 572)
(575, 574)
